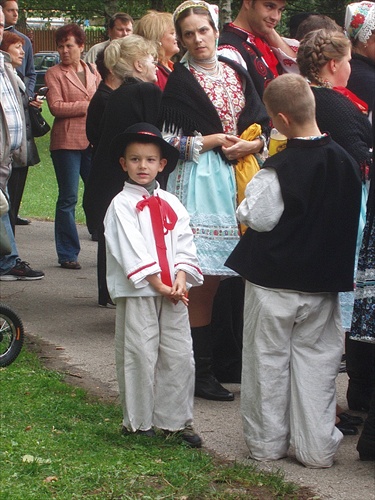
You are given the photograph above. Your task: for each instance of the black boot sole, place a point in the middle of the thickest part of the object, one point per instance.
(214, 397)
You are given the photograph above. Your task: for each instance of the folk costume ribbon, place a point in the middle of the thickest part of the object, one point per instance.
(163, 219)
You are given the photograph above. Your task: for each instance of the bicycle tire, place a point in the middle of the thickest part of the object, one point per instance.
(11, 335)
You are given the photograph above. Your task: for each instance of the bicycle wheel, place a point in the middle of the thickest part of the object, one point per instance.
(11, 335)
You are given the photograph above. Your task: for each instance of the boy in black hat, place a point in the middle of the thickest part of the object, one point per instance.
(151, 262)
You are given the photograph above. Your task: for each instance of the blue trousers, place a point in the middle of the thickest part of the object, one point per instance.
(7, 262)
(69, 165)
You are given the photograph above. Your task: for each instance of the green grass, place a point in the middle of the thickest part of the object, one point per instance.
(57, 442)
(40, 195)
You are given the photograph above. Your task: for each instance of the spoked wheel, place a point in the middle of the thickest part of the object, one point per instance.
(11, 335)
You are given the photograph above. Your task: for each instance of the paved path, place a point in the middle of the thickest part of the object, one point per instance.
(62, 311)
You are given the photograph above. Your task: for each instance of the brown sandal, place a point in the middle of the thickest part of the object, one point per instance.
(71, 265)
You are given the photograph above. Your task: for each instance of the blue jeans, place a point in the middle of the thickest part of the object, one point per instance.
(68, 165)
(7, 262)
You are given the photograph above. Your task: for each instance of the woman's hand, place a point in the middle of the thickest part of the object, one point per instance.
(239, 148)
(215, 140)
(36, 104)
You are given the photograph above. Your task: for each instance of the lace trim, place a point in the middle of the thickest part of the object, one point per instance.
(368, 26)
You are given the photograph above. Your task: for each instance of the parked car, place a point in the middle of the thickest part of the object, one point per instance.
(43, 61)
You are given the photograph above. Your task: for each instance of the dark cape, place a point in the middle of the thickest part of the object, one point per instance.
(186, 106)
(133, 102)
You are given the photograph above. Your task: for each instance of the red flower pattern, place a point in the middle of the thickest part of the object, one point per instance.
(226, 94)
(357, 20)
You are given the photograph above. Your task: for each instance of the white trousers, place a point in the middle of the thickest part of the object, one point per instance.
(292, 348)
(155, 363)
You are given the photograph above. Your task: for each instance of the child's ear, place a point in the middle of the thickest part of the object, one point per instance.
(284, 119)
(162, 165)
(123, 163)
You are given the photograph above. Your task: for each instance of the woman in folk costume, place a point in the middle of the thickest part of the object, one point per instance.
(207, 102)
(324, 58)
(360, 28)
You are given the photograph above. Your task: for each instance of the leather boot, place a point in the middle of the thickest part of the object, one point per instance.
(206, 385)
(360, 367)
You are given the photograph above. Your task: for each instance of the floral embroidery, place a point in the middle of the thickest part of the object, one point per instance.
(357, 20)
(226, 95)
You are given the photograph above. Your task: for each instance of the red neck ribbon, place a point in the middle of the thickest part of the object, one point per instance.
(266, 51)
(163, 219)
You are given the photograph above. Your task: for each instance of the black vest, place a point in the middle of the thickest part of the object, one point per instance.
(312, 248)
(259, 72)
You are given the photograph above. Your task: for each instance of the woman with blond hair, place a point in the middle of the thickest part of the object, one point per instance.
(159, 27)
(133, 60)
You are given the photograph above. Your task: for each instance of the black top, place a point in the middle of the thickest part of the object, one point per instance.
(362, 79)
(259, 72)
(95, 113)
(186, 105)
(133, 102)
(348, 126)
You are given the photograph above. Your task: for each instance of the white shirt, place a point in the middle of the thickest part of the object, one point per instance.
(263, 204)
(131, 249)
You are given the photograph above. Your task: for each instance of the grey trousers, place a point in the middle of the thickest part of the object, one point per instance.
(292, 347)
(155, 363)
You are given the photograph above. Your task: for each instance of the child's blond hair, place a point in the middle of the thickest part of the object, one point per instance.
(291, 95)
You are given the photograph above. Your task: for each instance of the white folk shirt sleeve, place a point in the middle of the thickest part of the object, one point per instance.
(263, 205)
(131, 248)
(288, 63)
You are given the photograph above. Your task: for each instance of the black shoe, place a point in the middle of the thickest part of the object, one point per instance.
(148, 433)
(188, 435)
(109, 303)
(347, 429)
(345, 418)
(22, 222)
(209, 388)
(22, 271)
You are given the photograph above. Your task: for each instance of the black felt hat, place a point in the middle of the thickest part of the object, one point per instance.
(145, 132)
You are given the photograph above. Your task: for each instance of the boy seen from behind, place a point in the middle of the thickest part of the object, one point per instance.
(302, 209)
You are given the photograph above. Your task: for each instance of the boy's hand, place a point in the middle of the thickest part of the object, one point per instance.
(178, 291)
